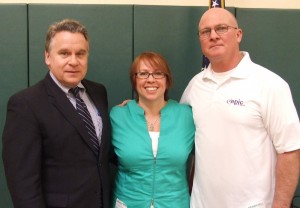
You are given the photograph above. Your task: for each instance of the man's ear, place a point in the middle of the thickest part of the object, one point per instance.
(239, 35)
(47, 58)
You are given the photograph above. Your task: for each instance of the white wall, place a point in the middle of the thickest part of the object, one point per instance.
(284, 4)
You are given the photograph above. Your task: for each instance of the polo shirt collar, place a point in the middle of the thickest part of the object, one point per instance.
(240, 71)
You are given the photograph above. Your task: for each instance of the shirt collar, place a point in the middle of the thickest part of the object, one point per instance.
(240, 71)
(62, 87)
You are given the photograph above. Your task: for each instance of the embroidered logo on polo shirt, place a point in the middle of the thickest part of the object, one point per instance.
(235, 102)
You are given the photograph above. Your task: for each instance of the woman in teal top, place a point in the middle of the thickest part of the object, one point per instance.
(152, 138)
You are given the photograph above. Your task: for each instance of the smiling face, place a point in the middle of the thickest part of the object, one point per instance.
(150, 62)
(150, 89)
(220, 48)
(67, 57)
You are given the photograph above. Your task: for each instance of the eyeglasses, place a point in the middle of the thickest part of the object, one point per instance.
(219, 29)
(145, 75)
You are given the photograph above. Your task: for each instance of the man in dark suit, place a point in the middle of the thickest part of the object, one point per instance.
(49, 157)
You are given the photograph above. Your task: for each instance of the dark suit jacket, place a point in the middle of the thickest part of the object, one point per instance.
(47, 154)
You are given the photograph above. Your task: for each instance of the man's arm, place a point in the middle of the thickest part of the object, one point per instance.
(287, 176)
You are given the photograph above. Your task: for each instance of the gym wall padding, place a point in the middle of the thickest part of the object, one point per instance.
(120, 32)
(13, 68)
(172, 32)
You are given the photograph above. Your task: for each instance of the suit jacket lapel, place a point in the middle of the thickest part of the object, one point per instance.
(63, 104)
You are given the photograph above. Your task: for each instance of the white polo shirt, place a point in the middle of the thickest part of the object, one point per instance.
(240, 126)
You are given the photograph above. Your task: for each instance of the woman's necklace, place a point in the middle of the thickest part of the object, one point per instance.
(151, 124)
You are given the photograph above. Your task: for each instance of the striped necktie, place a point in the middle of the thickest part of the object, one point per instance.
(86, 117)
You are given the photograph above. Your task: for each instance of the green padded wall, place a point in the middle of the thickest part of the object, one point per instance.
(120, 32)
(110, 31)
(13, 69)
(172, 32)
(272, 38)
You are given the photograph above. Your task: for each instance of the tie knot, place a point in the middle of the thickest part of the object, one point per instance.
(75, 91)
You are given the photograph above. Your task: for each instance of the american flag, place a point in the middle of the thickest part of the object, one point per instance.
(212, 4)
(217, 3)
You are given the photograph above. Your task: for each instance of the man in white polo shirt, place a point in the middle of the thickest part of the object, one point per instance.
(247, 128)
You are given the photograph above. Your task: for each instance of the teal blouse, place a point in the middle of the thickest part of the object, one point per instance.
(142, 179)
